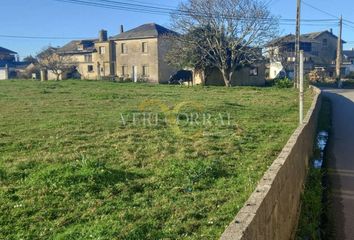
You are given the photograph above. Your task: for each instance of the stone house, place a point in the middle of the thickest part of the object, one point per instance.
(320, 50)
(93, 58)
(348, 56)
(6, 57)
(140, 54)
(348, 63)
(10, 66)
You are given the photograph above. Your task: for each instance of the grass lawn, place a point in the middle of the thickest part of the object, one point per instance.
(75, 164)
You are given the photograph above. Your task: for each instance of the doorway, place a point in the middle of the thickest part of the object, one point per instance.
(135, 73)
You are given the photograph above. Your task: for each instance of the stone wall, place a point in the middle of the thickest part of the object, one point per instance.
(271, 213)
(165, 70)
(134, 57)
(104, 62)
(241, 77)
(4, 73)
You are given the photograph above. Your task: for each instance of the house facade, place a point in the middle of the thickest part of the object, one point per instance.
(93, 58)
(348, 62)
(141, 52)
(320, 50)
(7, 57)
(348, 56)
(10, 66)
(136, 55)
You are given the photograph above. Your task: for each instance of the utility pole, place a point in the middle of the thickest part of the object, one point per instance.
(301, 88)
(297, 44)
(339, 52)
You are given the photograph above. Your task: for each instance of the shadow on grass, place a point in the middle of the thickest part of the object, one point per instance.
(82, 177)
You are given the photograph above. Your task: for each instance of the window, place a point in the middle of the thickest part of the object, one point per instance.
(90, 68)
(325, 42)
(88, 58)
(307, 47)
(102, 50)
(124, 48)
(124, 70)
(254, 71)
(145, 47)
(291, 59)
(145, 71)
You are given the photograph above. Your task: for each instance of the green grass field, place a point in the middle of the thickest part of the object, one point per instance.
(74, 164)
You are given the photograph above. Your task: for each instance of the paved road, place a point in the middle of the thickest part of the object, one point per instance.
(341, 162)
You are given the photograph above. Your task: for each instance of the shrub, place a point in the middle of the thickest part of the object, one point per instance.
(143, 80)
(351, 75)
(283, 83)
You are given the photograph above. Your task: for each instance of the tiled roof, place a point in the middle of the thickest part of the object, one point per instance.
(72, 47)
(6, 51)
(291, 38)
(14, 64)
(308, 37)
(348, 53)
(315, 35)
(150, 30)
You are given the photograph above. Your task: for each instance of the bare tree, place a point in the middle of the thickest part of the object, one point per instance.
(186, 53)
(57, 63)
(234, 31)
(30, 59)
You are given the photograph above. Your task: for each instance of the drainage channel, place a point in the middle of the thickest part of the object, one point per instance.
(322, 140)
(314, 220)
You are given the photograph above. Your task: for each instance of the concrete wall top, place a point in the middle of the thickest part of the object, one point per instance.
(272, 210)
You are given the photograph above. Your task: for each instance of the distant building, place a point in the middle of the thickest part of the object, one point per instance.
(80, 53)
(138, 55)
(348, 56)
(141, 52)
(348, 63)
(9, 66)
(320, 50)
(7, 56)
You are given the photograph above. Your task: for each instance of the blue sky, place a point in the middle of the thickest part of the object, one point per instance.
(59, 19)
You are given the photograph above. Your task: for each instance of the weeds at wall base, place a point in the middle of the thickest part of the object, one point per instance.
(314, 222)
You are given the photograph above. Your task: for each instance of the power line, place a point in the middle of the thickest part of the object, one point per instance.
(328, 13)
(318, 9)
(73, 38)
(348, 21)
(118, 5)
(348, 26)
(156, 4)
(40, 37)
(141, 7)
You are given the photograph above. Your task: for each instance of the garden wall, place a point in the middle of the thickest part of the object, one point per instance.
(271, 213)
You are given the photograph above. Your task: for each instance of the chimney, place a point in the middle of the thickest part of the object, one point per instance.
(331, 30)
(103, 36)
(121, 29)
